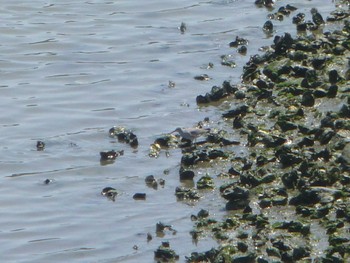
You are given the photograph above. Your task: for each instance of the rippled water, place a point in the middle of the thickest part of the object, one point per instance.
(70, 70)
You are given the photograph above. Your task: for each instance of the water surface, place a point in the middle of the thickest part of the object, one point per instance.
(70, 70)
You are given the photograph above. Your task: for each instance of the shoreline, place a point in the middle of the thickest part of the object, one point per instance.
(288, 195)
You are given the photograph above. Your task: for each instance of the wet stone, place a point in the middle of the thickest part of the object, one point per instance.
(110, 155)
(124, 135)
(240, 110)
(48, 181)
(306, 197)
(151, 181)
(139, 196)
(165, 254)
(183, 193)
(109, 192)
(242, 50)
(205, 182)
(332, 91)
(40, 145)
(268, 26)
(308, 99)
(186, 174)
(203, 77)
(217, 93)
(238, 42)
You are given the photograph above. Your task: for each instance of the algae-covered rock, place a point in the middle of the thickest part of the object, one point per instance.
(205, 182)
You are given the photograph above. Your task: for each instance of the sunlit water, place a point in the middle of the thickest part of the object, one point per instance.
(70, 70)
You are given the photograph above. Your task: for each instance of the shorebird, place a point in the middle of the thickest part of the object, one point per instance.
(191, 134)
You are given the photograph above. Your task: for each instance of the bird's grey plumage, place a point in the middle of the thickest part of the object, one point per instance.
(191, 133)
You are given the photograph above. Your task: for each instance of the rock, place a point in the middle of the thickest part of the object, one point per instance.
(151, 181)
(109, 192)
(205, 182)
(40, 145)
(306, 197)
(165, 254)
(186, 194)
(139, 196)
(124, 135)
(240, 110)
(110, 155)
(235, 193)
(186, 174)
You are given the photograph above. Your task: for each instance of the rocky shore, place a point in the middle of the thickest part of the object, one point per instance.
(288, 197)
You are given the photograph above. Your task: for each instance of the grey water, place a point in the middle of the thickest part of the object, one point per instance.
(70, 70)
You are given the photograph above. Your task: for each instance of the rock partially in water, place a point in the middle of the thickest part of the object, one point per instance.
(217, 93)
(151, 181)
(109, 156)
(183, 193)
(205, 182)
(239, 41)
(139, 196)
(124, 135)
(40, 145)
(165, 254)
(186, 174)
(109, 192)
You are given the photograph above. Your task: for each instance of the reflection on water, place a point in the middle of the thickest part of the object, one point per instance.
(70, 71)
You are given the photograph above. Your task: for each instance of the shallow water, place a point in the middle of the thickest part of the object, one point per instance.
(73, 69)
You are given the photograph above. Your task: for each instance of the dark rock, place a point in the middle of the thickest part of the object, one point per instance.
(203, 213)
(307, 99)
(48, 181)
(250, 72)
(283, 43)
(306, 141)
(110, 155)
(242, 50)
(287, 157)
(184, 193)
(205, 182)
(290, 179)
(286, 125)
(240, 110)
(109, 192)
(238, 42)
(186, 174)
(165, 254)
(332, 91)
(139, 196)
(217, 93)
(235, 193)
(238, 122)
(239, 94)
(298, 18)
(268, 26)
(246, 258)
(202, 77)
(151, 181)
(306, 197)
(317, 17)
(40, 145)
(333, 76)
(124, 135)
